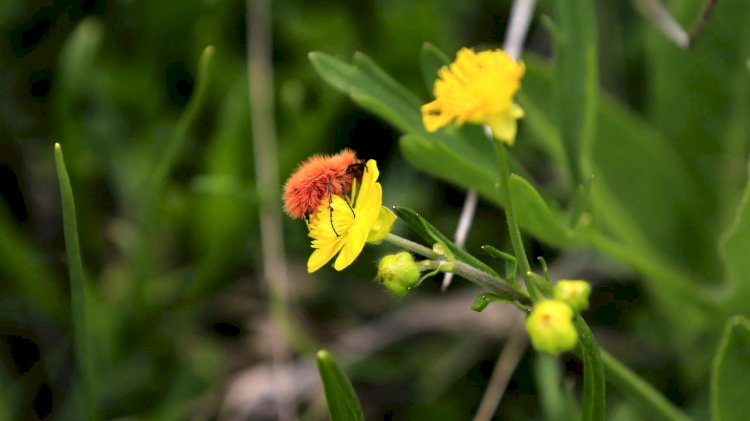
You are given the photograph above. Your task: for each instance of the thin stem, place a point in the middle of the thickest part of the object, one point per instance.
(462, 230)
(510, 215)
(649, 400)
(411, 246)
(660, 16)
(466, 271)
(515, 34)
(701, 20)
(507, 362)
(260, 85)
(654, 10)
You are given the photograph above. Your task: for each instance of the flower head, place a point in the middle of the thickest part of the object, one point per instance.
(344, 226)
(398, 273)
(550, 327)
(477, 88)
(575, 293)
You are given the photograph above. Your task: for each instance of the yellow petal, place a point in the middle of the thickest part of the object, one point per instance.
(504, 128)
(321, 256)
(355, 242)
(434, 117)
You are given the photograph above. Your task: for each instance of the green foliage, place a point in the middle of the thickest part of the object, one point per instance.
(729, 385)
(632, 150)
(594, 388)
(576, 89)
(555, 398)
(511, 264)
(485, 299)
(343, 404)
(431, 235)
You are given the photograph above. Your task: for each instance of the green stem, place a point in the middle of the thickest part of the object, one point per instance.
(466, 271)
(510, 215)
(411, 246)
(649, 400)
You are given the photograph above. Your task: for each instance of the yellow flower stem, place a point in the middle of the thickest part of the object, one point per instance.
(464, 270)
(510, 215)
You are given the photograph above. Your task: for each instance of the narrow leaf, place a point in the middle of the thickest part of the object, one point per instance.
(80, 300)
(579, 203)
(511, 264)
(648, 401)
(371, 88)
(178, 138)
(432, 235)
(343, 404)
(594, 388)
(431, 60)
(534, 215)
(576, 75)
(555, 402)
(730, 387)
(736, 249)
(483, 300)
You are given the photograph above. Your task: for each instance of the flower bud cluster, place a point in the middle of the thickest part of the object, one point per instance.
(550, 324)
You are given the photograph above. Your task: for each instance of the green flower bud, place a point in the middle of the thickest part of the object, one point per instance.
(382, 226)
(573, 292)
(550, 327)
(398, 273)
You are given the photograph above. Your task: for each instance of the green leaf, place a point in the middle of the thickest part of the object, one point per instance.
(556, 402)
(484, 299)
(575, 90)
(730, 387)
(511, 264)
(431, 59)
(534, 215)
(594, 388)
(649, 402)
(80, 299)
(736, 249)
(371, 88)
(580, 203)
(699, 98)
(176, 143)
(431, 235)
(640, 181)
(343, 404)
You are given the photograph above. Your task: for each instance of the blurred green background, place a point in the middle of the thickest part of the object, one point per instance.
(180, 314)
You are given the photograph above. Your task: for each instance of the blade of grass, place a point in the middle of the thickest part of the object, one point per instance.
(343, 404)
(80, 300)
(178, 136)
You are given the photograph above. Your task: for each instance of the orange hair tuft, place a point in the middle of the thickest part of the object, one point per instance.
(315, 178)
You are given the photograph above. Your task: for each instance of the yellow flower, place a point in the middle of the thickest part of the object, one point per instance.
(477, 88)
(344, 228)
(550, 327)
(574, 293)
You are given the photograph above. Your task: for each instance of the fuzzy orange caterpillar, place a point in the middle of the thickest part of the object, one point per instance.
(318, 177)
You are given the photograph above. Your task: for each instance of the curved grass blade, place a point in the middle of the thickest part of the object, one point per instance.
(177, 139)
